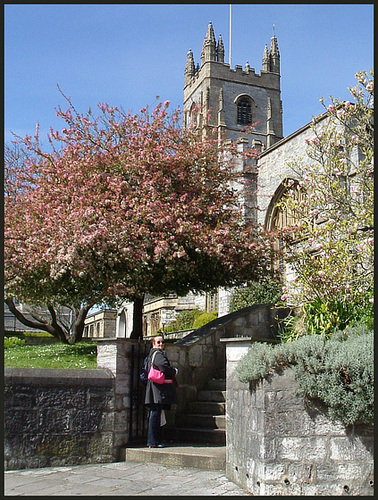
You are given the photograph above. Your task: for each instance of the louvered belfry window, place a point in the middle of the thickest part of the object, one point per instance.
(244, 111)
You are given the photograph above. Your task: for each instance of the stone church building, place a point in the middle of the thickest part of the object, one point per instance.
(231, 99)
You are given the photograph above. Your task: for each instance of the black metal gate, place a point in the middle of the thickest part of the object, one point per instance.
(138, 410)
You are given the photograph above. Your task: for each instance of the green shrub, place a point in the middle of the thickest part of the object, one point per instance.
(37, 335)
(291, 327)
(204, 319)
(325, 317)
(338, 371)
(261, 360)
(13, 342)
(184, 321)
(364, 311)
(267, 290)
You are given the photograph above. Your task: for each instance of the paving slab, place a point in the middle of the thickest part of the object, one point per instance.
(119, 479)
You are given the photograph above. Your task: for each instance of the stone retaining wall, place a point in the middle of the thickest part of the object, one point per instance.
(70, 417)
(279, 443)
(58, 417)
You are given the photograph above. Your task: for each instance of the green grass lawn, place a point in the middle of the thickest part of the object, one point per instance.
(57, 355)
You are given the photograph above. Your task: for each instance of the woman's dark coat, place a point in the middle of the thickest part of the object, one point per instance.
(165, 394)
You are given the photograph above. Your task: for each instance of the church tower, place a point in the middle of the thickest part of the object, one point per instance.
(233, 99)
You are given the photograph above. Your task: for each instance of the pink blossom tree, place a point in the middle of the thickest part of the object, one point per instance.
(123, 205)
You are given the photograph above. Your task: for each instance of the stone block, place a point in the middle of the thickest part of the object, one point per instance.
(279, 489)
(268, 448)
(121, 385)
(100, 445)
(86, 421)
(301, 472)
(303, 448)
(173, 356)
(101, 399)
(353, 470)
(106, 423)
(195, 356)
(272, 471)
(24, 399)
(290, 448)
(322, 425)
(236, 352)
(55, 420)
(253, 320)
(183, 358)
(17, 422)
(326, 471)
(345, 449)
(270, 399)
(326, 489)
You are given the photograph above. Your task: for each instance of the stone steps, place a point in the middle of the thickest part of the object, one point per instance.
(212, 395)
(198, 438)
(196, 420)
(218, 384)
(198, 435)
(205, 421)
(206, 408)
(179, 455)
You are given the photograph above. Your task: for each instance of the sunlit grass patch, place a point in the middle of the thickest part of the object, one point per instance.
(82, 355)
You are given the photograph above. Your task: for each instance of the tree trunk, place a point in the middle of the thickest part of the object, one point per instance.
(52, 327)
(78, 329)
(137, 331)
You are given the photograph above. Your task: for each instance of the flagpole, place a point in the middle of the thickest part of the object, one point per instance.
(229, 43)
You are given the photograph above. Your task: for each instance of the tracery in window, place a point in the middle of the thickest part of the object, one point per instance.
(244, 114)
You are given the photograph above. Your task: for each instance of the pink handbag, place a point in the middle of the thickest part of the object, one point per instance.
(155, 375)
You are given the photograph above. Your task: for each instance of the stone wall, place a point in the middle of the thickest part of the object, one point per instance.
(201, 354)
(58, 417)
(70, 417)
(279, 443)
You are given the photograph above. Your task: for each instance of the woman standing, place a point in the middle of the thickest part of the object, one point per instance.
(159, 396)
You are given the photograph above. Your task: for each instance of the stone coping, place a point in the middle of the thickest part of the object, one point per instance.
(207, 329)
(250, 339)
(54, 376)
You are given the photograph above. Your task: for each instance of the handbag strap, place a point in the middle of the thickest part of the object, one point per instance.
(153, 357)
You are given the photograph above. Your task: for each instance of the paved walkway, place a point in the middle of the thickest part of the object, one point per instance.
(119, 478)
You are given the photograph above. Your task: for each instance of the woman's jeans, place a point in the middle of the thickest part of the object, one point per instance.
(154, 429)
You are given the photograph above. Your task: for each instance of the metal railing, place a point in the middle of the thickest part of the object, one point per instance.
(138, 410)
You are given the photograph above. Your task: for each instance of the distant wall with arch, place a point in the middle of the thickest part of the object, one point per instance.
(100, 324)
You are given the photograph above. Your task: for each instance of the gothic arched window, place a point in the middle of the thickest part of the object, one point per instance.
(280, 217)
(244, 111)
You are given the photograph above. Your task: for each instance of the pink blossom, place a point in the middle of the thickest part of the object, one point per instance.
(370, 86)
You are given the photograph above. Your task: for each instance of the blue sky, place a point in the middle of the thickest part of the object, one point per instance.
(127, 54)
